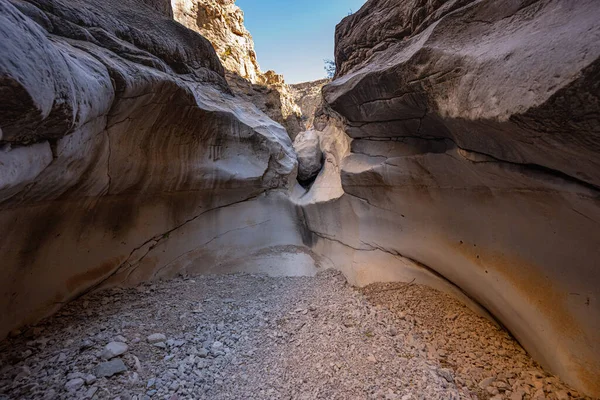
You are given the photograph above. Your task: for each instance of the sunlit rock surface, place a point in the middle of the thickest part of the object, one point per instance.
(222, 23)
(307, 96)
(475, 145)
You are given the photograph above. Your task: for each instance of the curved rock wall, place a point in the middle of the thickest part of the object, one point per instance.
(474, 153)
(118, 141)
(458, 147)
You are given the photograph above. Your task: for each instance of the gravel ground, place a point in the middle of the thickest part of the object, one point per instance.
(255, 337)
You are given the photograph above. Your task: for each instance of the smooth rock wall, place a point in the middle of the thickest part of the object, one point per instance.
(475, 145)
(124, 157)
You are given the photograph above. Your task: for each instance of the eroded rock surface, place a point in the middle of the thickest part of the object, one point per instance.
(119, 137)
(307, 96)
(459, 145)
(310, 156)
(222, 22)
(474, 154)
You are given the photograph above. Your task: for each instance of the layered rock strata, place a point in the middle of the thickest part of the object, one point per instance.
(222, 23)
(474, 153)
(119, 141)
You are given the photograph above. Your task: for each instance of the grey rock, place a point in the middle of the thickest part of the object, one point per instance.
(74, 384)
(310, 157)
(110, 368)
(202, 352)
(156, 337)
(446, 374)
(90, 393)
(114, 349)
(90, 379)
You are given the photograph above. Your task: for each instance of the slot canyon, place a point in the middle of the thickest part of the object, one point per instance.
(178, 224)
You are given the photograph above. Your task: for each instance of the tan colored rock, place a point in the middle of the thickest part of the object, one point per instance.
(308, 97)
(222, 22)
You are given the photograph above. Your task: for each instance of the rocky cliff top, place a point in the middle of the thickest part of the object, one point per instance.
(222, 23)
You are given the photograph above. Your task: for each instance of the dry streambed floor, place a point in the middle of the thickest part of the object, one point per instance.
(255, 337)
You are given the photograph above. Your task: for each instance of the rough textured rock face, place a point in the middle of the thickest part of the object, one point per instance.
(307, 96)
(120, 137)
(358, 38)
(273, 98)
(475, 153)
(222, 22)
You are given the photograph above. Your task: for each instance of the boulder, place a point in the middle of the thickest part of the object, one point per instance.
(310, 156)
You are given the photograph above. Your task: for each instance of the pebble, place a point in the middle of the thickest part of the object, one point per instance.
(486, 382)
(156, 338)
(74, 384)
(90, 379)
(294, 338)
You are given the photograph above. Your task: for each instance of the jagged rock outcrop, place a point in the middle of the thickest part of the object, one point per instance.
(474, 154)
(273, 98)
(307, 96)
(119, 137)
(222, 22)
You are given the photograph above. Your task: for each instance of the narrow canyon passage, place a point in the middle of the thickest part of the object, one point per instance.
(423, 223)
(254, 337)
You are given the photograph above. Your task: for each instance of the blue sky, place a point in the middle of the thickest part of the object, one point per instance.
(293, 37)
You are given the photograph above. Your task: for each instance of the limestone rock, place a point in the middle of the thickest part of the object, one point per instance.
(110, 368)
(273, 97)
(156, 338)
(308, 97)
(474, 152)
(222, 22)
(310, 156)
(114, 115)
(114, 349)
(74, 384)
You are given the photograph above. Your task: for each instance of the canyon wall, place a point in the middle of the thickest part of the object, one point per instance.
(474, 153)
(222, 23)
(307, 95)
(124, 156)
(458, 145)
